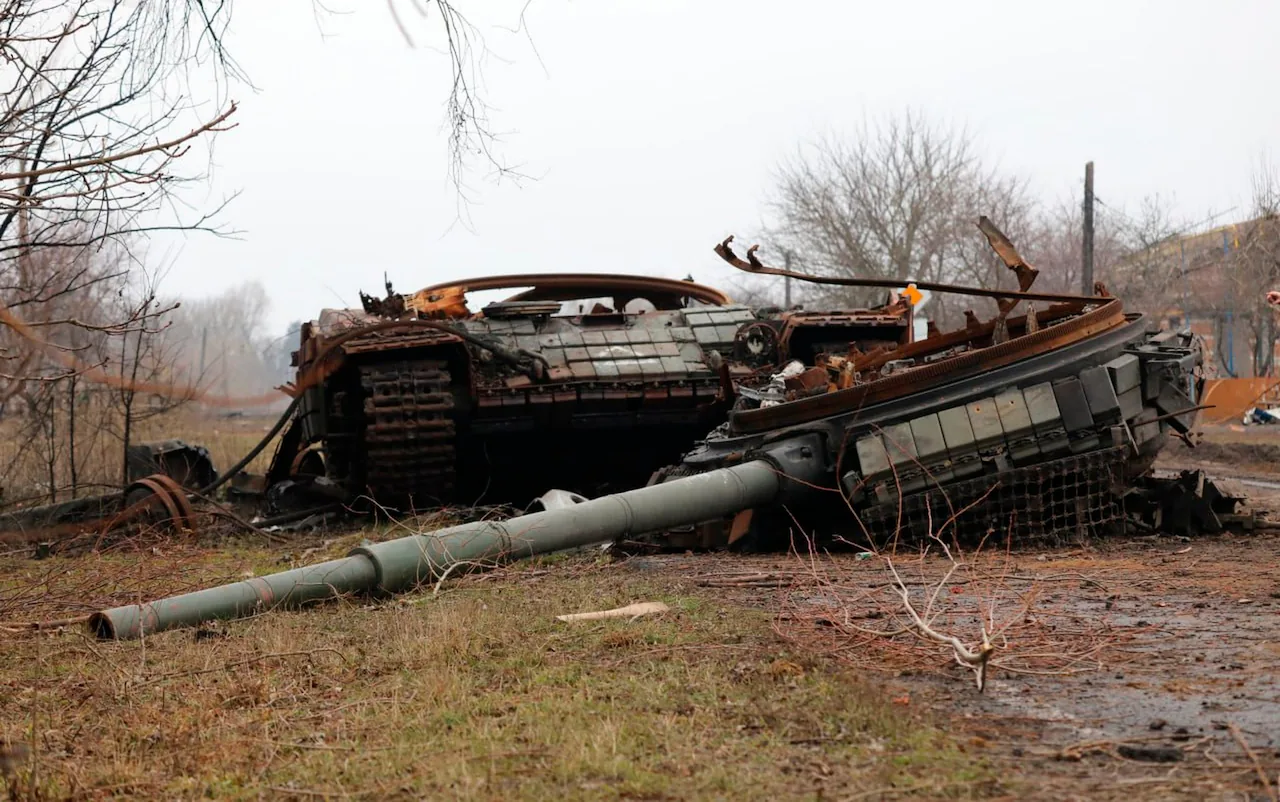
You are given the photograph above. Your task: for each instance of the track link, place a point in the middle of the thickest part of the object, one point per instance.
(409, 433)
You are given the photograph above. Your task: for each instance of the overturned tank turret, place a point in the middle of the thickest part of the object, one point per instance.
(1027, 426)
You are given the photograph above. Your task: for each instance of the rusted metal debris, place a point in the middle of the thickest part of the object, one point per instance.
(1188, 503)
(188, 465)
(162, 476)
(600, 380)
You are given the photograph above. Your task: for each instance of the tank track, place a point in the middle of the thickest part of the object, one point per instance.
(409, 433)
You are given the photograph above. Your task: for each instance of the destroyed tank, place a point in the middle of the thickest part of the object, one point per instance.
(596, 380)
(1024, 427)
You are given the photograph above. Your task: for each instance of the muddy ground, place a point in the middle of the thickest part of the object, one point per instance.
(1150, 660)
(1141, 667)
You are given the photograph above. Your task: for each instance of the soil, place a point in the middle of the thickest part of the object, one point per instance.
(1195, 650)
(1207, 659)
(1183, 666)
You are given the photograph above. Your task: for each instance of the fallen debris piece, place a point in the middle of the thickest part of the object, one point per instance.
(632, 611)
(748, 580)
(1187, 504)
(160, 475)
(155, 499)
(1149, 754)
(394, 566)
(555, 500)
(1259, 415)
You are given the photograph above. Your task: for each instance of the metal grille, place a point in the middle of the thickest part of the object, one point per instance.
(1066, 500)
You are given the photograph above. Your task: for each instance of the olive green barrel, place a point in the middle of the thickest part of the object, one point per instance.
(399, 565)
(287, 589)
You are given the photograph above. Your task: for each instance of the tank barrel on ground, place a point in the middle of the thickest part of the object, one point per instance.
(398, 565)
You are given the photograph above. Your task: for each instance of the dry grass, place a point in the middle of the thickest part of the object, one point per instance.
(477, 693)
(25, 474)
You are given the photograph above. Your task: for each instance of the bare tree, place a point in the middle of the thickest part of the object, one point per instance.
(101, 110)
(95, 120)
(145, 359)
(221, 341)
(467, 114)
(1147, 265)
(1251, 267)
(899, 199)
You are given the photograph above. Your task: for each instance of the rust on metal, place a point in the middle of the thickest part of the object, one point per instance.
(885, 373)
(418, 400)
(754, 265)
(968, 363)
(1025, 273)
(448, 297)
(159, 497)
(150, 492)
(600, 379)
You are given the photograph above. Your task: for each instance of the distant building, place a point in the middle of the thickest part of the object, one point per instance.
(1216, 282)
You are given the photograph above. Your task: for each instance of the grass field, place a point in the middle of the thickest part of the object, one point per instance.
(477, 693)
(24, 458)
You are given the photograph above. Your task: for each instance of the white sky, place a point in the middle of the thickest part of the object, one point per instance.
(654, 128)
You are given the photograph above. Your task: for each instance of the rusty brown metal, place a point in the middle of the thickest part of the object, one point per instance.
(186, 513)
(974, 331)
(555, 286)
(811, 379)
(156, 490)
(162, 490)
(740, 526)
(421, 405)
(1025, 273)
(1109, 314)
(754, 265)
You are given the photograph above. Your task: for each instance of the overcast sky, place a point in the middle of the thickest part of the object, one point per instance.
(652, 128)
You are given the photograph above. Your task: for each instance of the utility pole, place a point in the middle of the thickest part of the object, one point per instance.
(1086, 277)
(786, 286)
(204, 341)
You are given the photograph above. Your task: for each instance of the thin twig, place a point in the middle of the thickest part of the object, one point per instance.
(1253, 758)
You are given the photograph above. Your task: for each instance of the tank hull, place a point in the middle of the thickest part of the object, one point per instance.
(421, 417)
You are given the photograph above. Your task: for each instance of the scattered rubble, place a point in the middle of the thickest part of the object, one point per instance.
(1261, 415)
(1189, 503)
(631, 611)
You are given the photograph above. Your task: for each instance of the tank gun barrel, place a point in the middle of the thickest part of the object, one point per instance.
(398, 565)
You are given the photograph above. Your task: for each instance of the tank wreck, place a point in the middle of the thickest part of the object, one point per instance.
(415, 401)
(1036, 425)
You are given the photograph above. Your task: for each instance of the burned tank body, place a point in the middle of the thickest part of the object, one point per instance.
(597, 380)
